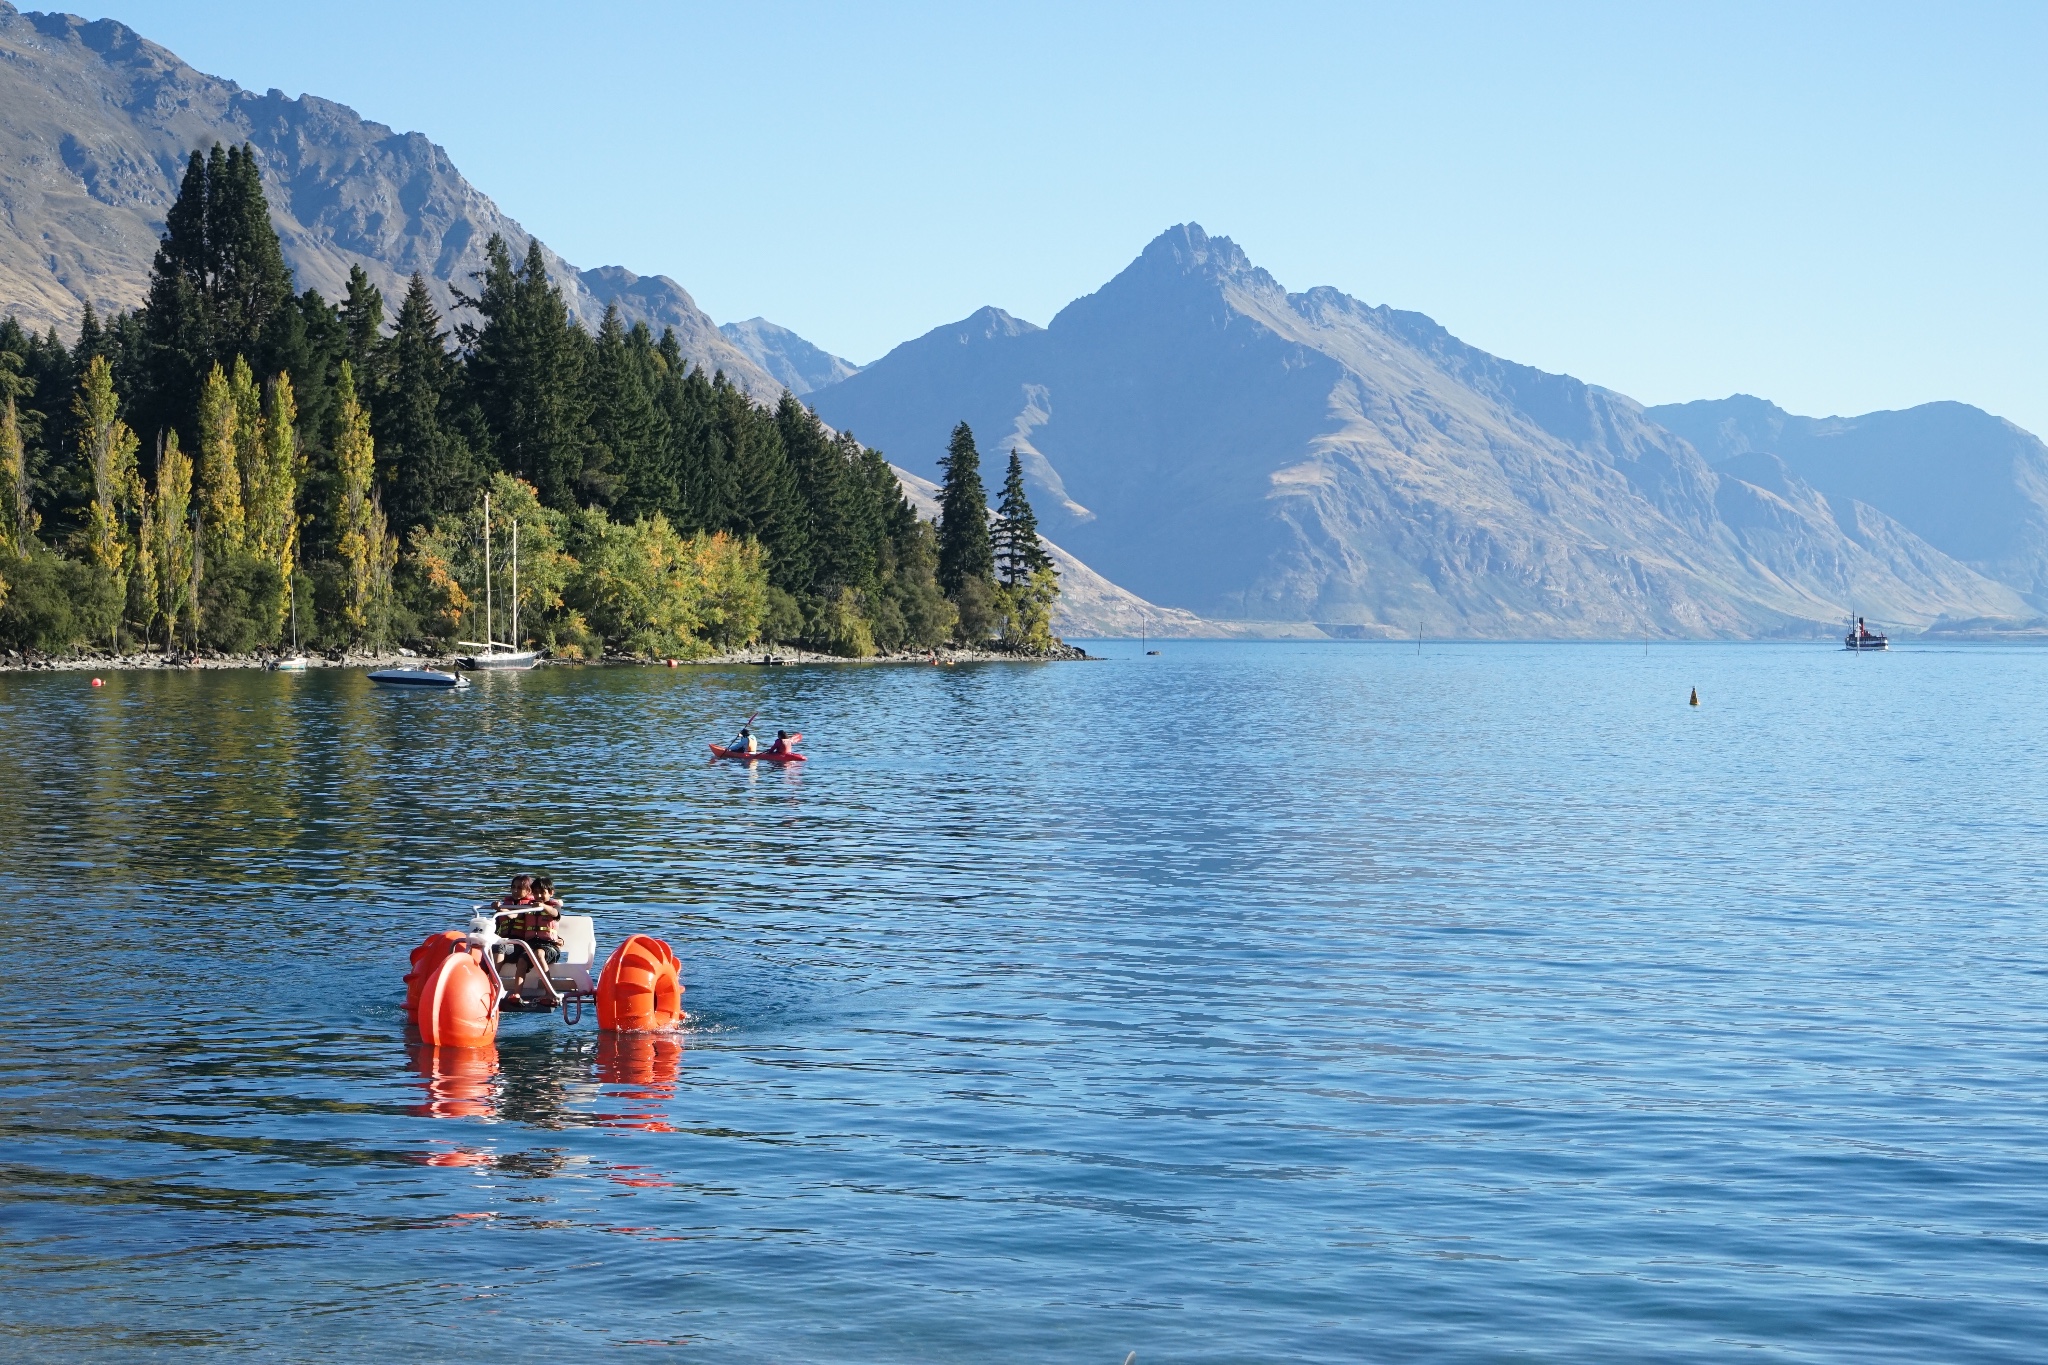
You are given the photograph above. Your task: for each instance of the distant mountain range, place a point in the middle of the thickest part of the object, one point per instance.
(1263, 461)
(1208, 439)
(1972, 485)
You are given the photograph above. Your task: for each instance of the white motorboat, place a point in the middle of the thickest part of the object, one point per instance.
(417, 677)
(295, 664)
(491, 653)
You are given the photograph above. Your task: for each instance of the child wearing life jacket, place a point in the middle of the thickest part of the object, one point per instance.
(530, 915)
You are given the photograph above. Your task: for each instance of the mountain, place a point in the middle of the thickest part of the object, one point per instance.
(1973, 485)
(796, 364)
(1212, 441)
(96, 123)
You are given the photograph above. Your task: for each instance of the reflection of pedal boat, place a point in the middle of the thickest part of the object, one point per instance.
(455, 993)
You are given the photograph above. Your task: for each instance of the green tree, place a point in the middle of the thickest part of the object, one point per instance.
(525, 371)
(966, 568)
(217, 284)
(424, 464)
(1019, 554)
(625, 421)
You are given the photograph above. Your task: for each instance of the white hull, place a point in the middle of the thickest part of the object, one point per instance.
(512, 658)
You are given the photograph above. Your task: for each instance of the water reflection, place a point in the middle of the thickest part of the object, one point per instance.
(647, 1062)
(546, 1080)
(459, 1081)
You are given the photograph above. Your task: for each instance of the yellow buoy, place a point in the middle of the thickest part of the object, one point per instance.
(1695, 698)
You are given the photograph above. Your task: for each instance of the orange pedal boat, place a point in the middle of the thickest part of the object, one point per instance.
(455, 993)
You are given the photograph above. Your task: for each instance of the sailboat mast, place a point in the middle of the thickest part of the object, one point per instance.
(487, 574)
(515, 583)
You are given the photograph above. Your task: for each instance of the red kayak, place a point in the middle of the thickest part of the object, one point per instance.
(764, 756)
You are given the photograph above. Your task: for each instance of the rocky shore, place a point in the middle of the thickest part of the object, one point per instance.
(30, 661)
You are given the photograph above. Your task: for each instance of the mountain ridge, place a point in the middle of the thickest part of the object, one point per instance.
(1215, 442)
(96, 122)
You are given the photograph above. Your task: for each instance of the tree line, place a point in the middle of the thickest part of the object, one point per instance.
(236, 463)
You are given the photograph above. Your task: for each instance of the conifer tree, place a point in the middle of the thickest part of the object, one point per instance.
(106, 449)
(965, 555)
(1018, 551)
(625, 423)
(424, 465)
(170, 542)
(364, 542)
(526, 374)
(217, 285)
(219, 475)
(362, 325)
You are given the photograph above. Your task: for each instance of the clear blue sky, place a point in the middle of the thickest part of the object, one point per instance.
(1840, 207)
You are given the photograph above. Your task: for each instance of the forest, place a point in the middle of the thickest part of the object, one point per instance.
(234, 465)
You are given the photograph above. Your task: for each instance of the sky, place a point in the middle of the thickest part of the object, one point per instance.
(1837, 207)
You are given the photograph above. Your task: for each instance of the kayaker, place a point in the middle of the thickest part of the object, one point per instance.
(747, 743)
(781, 744)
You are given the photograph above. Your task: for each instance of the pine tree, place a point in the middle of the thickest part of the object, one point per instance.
(423, 464)
(964, 553)
(526, 374)
(106, 449)
(171, 541)
(362, 324)
(625, 424)
(217, 285)
(1018, 551)
(219, 477)
(364, 542)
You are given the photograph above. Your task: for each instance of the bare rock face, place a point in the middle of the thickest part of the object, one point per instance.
(96, 124)
(1211, 441)
(797, 364)
(1972, 485)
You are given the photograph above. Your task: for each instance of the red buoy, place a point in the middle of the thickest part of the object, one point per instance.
(97, 683)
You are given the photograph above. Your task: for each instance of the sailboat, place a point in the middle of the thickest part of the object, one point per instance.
(491, 653)
(295, 662)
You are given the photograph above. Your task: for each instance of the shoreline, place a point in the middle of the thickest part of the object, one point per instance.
(151, 661)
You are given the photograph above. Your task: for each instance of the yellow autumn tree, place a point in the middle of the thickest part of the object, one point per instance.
(106, 448)
(219, 479)
(363, 540)
(170, 540)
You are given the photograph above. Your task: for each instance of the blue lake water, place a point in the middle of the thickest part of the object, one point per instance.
(1250, 1002)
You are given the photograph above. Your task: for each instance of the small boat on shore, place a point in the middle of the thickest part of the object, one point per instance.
(1863, 638)
(417, 677)
(295, 663)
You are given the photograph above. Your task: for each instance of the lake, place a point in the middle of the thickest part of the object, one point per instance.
(1250, 1002)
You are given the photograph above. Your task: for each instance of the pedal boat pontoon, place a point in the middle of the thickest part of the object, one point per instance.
(456, 992)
